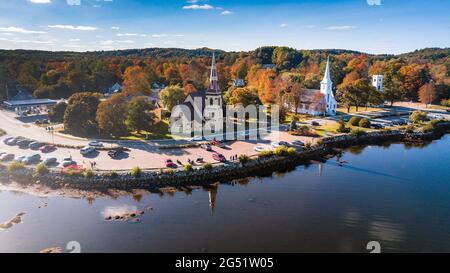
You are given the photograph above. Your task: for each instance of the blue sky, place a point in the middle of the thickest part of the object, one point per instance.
(374, 26)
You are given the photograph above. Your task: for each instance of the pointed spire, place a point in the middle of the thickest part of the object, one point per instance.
(213, 84)
(326, 76)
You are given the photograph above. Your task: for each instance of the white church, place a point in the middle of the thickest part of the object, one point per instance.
(319, 102)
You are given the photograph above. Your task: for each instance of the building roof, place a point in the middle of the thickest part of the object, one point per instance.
(29, 102)
(22, 95)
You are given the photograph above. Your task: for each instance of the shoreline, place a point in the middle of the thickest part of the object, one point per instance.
(260, 166)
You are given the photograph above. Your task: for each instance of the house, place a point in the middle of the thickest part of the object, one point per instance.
(23, 102)
(238, 82)
(377, 82)
(319, 101)
(268, 66)
(116, 88)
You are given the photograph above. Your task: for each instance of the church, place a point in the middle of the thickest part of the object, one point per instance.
(319, 102)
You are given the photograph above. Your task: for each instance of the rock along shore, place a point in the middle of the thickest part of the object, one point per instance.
(259, 166)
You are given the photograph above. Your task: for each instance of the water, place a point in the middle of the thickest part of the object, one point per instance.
(394, 194)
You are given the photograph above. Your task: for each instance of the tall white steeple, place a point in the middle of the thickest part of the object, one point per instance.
(213, 87)
(326, 88)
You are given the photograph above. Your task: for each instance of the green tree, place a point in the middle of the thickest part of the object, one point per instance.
(244, 96)
(140, 116)
(171, 96)
(111, 115)
(56, 113)
(80, 114)
(286, 58)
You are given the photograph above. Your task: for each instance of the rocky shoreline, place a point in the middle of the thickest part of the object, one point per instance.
(260, 166)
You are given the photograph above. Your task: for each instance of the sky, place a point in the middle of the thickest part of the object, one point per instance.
(372, 26)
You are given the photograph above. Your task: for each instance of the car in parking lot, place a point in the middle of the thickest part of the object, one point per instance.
(298, 143)
(206, 147)
(35, 145)
(6, 139)
(32, 159)
(47, 148)
(50, 161)
(19, 158)
(7, 157)
(86, 150)
(277, 144)
(13, 141)
(219, 157)
(95, 143)
(67, 163)
(218, 143)
(261, 148)
(114, 153)
(169, 163)
(23, 144)
(315, 123)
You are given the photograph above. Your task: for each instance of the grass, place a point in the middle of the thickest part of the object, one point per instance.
(160, 130)
(333, 126)
(343, 110)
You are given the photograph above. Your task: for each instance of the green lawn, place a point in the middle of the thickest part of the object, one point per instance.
(332, 127)
(360, 109)
(159, 131)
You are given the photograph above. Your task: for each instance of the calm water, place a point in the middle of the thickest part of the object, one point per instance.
(396, 195)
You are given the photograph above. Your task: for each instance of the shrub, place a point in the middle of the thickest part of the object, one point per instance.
(72, 170)
(364, 122)
(41, 169)
(418, 117)
(291, 151)
(244, 159)
(354, 121)
(113, 174)
(89, 173)
(281, 151)
(169, 171)
(207, 166)
(188, 168)
(14, 166)
(445, 102)
(136, 172)
(265, 154)
(357, 132)
(342, 128)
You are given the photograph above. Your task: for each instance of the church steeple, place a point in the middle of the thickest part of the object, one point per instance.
(213, 87)
(326, 76)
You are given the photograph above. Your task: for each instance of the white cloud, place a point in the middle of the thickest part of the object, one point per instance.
(159, 35)
(284, 25)
(112, 42)
(74, 40)
(40, 1)
(195, 6)
(73, 2)
(20, 30)
(130, 34)
(115, 28)
(340, 27)
(23, 41)
(71, 27)
(226, 12)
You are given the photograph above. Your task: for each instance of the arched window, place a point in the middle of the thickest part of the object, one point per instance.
(211, 101)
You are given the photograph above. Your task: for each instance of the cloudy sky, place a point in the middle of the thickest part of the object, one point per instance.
(374, 26)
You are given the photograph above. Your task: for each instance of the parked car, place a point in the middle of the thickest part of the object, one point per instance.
(260, 148)
(113, 153)
(169, 163)
(218, 143)
(95, 143)
(35, 145)
(47, 148)
(13, 141)
(315, 123)
(7, 157)
(298, 143)
(67, 158)
(6, 139)
(219, 157)
(206, 147)
(277, 144)
(24, 143)
(19, 158)
(68, 163)
(32, 159)
(86, 150)
(50, 161)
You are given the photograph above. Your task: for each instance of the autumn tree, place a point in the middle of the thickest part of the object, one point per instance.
(135, 81)
(140, 116)
(244, 96)
(79, 117)
(286, 58)
(293, 95)
(172, 96)
(111, 115)
(412, 77)
(427, 93)
(56, 113)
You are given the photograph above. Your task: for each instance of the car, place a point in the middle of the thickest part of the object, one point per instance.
(260, 148)
(19, 158)
(206, 147)
(23, 144)
(45, 121)
(68, 163)
(86, 150)
(169, 163)
(95, 143)
(32, 159)
(113, 153)
(5, 140)
(298, 143)
(50, 161)
(13, 141)
(7, 157)
(315, 123)
(219, 157)
(47, 148)
(218, 143)
(67, 158)
(2, 153)
(35, 145)
(277, 144)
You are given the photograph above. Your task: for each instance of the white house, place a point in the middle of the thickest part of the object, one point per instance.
(377, 81)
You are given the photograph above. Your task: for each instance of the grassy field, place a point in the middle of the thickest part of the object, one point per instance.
(331, 128)
(360, 109)
(159, 131)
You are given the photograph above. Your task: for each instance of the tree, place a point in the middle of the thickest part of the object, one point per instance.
(135, 81)
(56, 113)
(111, 115)
(171, 96)
(286, 58)
(79, 117)
(294, 95)
(244, 96)
(140, 116)
(427, 93)
(412, 77)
